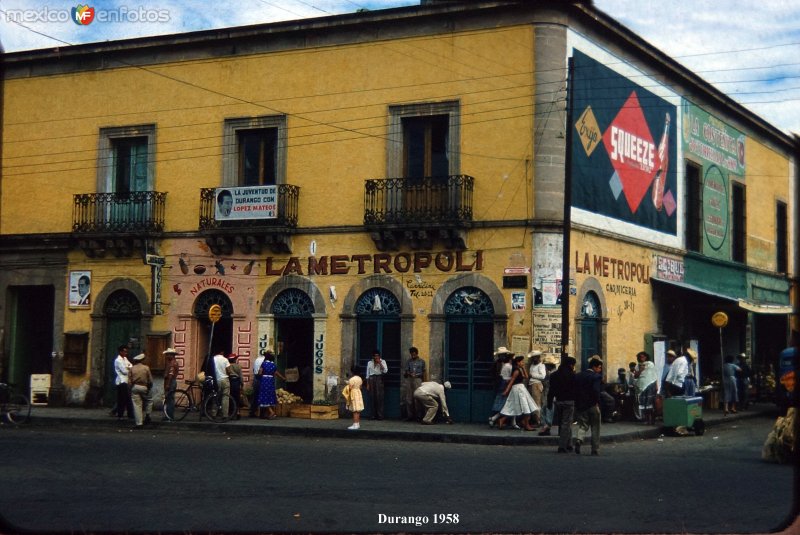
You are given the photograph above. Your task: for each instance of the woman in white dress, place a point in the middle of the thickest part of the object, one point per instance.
(519, 401)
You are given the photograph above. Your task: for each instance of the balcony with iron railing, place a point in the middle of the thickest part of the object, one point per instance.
(250, 235)
(118, 222)
(419, 210)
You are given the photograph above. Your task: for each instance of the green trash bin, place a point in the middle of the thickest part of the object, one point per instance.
(684, 411)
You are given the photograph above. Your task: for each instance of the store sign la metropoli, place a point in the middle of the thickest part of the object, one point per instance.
(445, 261)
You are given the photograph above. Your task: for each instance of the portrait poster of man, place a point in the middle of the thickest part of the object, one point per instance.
(80, 289)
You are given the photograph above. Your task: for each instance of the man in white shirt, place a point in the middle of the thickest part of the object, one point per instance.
(221, 375)
(535, 384)
(256, 384)
(677, 373)
(122, 368)
(376, 369)
(431, 396)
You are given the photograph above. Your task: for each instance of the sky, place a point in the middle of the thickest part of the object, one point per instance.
(748, 49)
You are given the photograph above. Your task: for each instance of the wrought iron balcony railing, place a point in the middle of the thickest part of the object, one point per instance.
(288, 196)
(118, 213)
(411, 201)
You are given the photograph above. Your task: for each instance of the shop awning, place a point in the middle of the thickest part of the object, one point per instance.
(694, 288)
(765, 308)
(752, 306)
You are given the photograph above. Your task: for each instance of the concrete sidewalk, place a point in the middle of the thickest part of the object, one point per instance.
(42, 416)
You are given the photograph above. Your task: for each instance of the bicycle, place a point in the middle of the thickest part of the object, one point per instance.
(209, 404)
(213, 407)
(15, 408)
(184, 402)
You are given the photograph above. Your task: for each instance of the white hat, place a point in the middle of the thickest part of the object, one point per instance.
(671, 352)
(447, 384)
(503, 350)
(138, 357)
(170, 351)
(535, 353)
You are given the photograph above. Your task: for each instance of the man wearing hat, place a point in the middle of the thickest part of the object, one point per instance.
(171, 370)
(413, 377)
(430, 396)
(677, 375)
(141, 383)
(235, 378)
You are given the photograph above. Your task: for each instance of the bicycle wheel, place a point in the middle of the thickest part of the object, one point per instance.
(182, 405)
(212, 408)
(18, 409)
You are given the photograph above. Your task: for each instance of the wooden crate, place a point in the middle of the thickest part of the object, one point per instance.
(324, 412)
(300, 410)
(283, 409)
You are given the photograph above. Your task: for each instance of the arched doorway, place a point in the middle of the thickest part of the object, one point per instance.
(123, 326)
(590, 328)
(469, 339)
(294, 331)
(378, 312)
(222, 341)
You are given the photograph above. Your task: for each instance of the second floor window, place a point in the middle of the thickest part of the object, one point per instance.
(694, 212)
(130, 164)
(254, 151)
(782, 238)
(424, 140)
(739, 224)
(425, 146)
(126, 159)
(257, 161)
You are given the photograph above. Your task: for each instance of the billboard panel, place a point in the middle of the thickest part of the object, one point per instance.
(624, 149)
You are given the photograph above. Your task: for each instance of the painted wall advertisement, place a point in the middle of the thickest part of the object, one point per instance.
(719, 149)
(624, 151)
(710, 141)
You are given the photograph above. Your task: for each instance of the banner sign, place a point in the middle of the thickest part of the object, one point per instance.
(711, 141)
(624, 151)
(253, 202)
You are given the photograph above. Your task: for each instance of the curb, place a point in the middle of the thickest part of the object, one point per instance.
(512, 438)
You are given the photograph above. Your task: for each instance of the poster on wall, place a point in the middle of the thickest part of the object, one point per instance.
(253, 202)
(80, 289)
(518, 301)
(547, 267)
(624, 148)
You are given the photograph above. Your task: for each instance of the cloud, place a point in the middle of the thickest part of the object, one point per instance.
(746, 49)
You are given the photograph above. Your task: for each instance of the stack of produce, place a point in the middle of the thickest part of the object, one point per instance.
(285, 397)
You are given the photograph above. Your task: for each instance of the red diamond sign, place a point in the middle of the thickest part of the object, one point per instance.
(632, 151)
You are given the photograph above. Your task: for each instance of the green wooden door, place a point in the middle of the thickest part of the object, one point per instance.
(123, 320)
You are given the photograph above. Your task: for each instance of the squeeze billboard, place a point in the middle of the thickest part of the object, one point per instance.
(624, 148)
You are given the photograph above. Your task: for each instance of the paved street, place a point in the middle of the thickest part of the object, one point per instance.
(178, 479)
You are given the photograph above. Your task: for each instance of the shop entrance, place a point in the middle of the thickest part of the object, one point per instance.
(590, 329)
(294, 332)
(469, 342)
(123, 326)
(222, 341)
(30, 333)
(378, 312)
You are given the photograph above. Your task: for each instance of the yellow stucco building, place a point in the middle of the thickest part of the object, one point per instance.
(378, 180)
